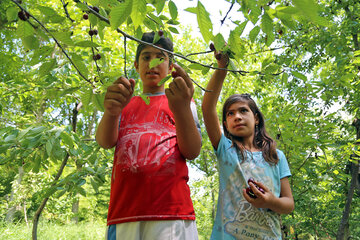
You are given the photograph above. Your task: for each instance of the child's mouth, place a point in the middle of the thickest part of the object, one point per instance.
(152, 73)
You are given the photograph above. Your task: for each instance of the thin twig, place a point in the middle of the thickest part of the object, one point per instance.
(66, 11)
(125, 58)
(162, 49)
(222, 21)
(56, 41)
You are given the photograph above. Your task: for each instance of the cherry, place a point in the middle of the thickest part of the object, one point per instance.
(174, 74)
(23, 15)
(85, 16)
(212, 47)
(249, 190)
(161, 32)
(97, 57)
(91, 32)
(95, 31)
(96, 9)
(218, 56)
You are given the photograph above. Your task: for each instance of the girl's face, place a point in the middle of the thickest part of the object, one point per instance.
(241, 121)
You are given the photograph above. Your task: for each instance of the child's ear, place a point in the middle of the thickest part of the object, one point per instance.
(257, 119)
(136, 66)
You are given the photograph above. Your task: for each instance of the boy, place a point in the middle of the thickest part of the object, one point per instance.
(150, 198)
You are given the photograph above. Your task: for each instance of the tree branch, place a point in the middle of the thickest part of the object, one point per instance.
(66, 11)
(56, 41)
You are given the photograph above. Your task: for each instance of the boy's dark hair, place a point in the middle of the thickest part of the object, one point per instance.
(163, 42)
(262, 139)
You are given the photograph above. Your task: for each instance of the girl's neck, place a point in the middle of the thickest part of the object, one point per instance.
(247, 145)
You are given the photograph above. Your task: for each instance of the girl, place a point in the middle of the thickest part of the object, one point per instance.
(247, 209)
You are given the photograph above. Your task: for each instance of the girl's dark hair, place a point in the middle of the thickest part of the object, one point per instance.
(163, 42)
(262, 139)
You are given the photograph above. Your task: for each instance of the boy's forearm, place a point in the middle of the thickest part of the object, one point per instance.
(107, 131)
(188, 136)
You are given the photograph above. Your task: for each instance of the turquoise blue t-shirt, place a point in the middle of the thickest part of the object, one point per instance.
(235, 217)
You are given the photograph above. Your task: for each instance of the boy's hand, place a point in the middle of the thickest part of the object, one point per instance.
(262, 200)
(118, 95)
(180, 90)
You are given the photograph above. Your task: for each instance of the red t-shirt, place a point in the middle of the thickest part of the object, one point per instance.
(149, 175)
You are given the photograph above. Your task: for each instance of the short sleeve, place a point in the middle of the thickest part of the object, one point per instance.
(283, 165)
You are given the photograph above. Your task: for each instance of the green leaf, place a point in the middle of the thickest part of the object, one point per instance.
(64, 37)
(139, 14)
(82, 6)
(254, 33)
(98, 100)
(155, 62)
(299, 75)
(47, 66)
(79, 63)
(47, 11)
(145, 98)
(81, 191)
(219, 41)
(24, 29)
(93, 20)
(67, 139)
(173, 10)
(49, 146)
(30, 42)
(267, 24)
(159, 5)
(120, 13)
(86, 43)
(37, 164)
(11, 13)
(204, 22)
(270, 38)
(191, 10)
(164, 80)
(86, 97)
(174, 30)
(196, 66)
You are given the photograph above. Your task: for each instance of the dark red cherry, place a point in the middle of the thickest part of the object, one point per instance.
(250, 192)
(212, 47)
(174, 74)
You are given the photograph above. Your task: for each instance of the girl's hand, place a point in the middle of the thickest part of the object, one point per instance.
(262, 200)
(222, 59)
(118, 95)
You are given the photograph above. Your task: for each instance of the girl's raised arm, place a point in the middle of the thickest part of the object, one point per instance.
(210, 99)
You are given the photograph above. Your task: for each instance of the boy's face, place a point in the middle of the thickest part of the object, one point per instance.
(151, 77)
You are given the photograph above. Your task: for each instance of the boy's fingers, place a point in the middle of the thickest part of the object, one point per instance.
(124, 81)
(183, 74)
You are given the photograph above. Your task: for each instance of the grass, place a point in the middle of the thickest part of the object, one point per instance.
(54, 231)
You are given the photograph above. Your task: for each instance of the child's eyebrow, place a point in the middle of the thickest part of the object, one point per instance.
(157, 53)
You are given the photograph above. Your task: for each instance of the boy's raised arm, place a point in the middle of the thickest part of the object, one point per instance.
(179, 95)
(210, 99)
(117, 97)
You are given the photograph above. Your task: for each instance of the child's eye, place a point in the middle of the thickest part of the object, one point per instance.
(146, 58)
(230, 113)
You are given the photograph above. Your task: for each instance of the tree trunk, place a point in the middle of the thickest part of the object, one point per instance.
(60, 171)
(343, 230)
(75, 205)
